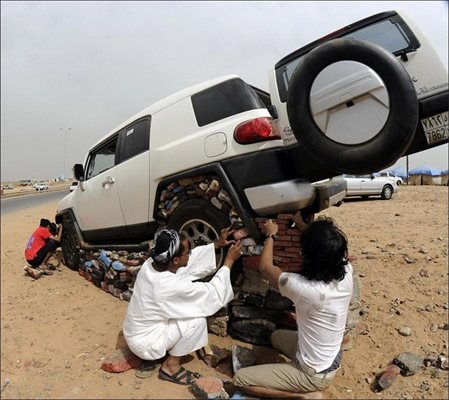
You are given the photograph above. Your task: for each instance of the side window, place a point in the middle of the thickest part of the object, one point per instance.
(102, 159)
(223, 100)
(135, 139)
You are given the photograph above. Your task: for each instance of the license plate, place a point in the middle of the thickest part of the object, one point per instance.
(435, 128)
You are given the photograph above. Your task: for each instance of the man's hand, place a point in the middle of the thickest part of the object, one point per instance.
(270, 228)
(233, 254)
(223, 240)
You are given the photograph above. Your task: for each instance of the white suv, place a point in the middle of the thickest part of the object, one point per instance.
(223, 151)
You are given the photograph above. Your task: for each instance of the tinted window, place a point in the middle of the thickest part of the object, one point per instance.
(223, 100)
(135, 139)
(389, 34)
(102, 159)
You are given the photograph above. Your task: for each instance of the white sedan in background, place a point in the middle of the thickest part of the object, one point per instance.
(40, 186)
(370, 185)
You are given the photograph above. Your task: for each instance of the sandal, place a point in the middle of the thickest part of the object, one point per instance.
(146, 369)
(177, 377)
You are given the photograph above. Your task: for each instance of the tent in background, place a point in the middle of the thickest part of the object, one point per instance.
(424, 176)
(444, 177)
(399, 171)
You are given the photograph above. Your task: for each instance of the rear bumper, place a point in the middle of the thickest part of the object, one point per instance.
(296, 194)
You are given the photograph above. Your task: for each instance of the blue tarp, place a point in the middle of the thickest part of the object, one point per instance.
(425, 171)
(399, 171)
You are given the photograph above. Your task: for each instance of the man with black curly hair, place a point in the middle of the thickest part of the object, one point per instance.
(321, 293)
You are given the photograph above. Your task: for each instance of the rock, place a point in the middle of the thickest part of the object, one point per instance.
(276, 301)
(253, 299)
(444, 363)
(255, 331)
(409, 260)
(405, 331)
(431, 359)
(434, 327)
(254, 283)
(425, 386)
(209, 388)
(218, 325)
(242, 357)
(121, 360)
(388, 377)
(409, 363)
(428, 307)
(444, 326)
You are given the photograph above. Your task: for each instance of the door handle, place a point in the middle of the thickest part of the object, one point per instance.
(108, 181)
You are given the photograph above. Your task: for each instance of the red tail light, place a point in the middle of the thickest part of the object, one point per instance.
(256, 130)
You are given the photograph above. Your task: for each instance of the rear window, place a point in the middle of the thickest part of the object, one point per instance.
(223, 100)
(392, 34)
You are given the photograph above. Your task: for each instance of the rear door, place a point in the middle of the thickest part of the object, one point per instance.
(133, 175)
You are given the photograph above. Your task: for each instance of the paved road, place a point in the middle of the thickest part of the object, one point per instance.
(19, 203)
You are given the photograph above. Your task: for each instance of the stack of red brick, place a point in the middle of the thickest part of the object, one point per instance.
(286, 251)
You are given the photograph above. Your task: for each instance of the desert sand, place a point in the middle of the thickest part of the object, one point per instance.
(55, 331)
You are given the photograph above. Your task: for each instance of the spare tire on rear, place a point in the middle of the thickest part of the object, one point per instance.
(352, 106)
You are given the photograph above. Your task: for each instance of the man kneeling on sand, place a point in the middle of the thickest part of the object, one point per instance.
(321, 292)
(40, 247)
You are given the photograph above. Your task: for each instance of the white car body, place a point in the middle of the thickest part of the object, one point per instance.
(201, 132)
(40, 186)
(368, 185)
(397, 179)
(424, 66)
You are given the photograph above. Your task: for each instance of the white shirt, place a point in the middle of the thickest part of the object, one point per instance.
(161, 297)
(321, 314)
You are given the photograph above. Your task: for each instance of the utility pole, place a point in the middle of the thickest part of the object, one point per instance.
(64, 132)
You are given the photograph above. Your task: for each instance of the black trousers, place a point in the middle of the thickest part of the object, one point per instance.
(50, 245)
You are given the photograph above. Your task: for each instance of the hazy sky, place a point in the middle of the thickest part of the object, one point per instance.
(71, 71)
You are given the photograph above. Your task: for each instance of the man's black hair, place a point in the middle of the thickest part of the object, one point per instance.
(53, 229)
(44, 222)
(324, 250)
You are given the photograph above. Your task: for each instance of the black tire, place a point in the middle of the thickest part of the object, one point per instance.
(399, 183)
(200, 222)
(365, 197)
(387, 145)
(69, 245)
(387, 192)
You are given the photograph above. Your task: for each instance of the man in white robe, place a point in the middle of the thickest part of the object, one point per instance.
(167, 311)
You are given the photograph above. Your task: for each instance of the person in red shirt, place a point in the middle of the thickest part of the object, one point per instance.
(42, 244)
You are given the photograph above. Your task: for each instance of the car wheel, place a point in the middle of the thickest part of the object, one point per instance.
(200, 222)
(70, 245)
(399, 183)
(352, 106)
(387, 192)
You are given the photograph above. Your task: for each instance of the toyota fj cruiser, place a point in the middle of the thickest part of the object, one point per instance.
(224, 151)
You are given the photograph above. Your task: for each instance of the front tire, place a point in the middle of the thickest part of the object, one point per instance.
(201, 223)
(387, 192)
(69, 245)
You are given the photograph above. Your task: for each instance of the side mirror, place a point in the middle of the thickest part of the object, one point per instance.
(78, 172)
(372, 176)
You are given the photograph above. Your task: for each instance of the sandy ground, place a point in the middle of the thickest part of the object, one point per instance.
(55, 331)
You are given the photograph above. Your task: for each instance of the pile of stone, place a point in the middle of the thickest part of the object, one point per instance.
(113, 271)
(199, 187)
